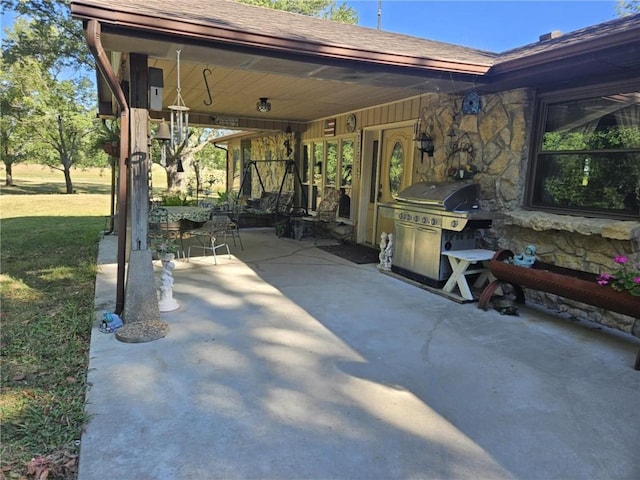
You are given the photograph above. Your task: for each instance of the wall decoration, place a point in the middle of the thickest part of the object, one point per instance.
(472, 103)
(330, 127)
(351, 123)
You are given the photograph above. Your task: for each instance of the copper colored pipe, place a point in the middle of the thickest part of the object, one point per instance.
(92, 33)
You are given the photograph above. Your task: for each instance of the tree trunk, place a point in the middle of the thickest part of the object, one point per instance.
(67, 180)
(9, 174)
(174, 178)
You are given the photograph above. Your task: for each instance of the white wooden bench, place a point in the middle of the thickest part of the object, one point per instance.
(460, 261)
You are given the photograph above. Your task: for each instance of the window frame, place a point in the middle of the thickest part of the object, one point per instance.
(542, 102)
(339, 142)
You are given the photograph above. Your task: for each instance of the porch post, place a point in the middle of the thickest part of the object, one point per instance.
(141, 313)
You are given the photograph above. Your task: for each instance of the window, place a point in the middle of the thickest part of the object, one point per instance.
(318, 161)
(331, 165)
(586, 155)
(396, 169)
(305, 164)
(346, 166)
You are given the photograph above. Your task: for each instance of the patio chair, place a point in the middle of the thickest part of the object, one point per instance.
(224, 216)
(233, 231)
(208, 234)
(325, 216)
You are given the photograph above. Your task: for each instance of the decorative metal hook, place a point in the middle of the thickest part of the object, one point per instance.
(206, 84)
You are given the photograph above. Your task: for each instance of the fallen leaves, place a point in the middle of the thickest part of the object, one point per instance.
(58, 465)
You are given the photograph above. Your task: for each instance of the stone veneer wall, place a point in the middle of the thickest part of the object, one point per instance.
(272, 171)
(498, 137)
(499, 141)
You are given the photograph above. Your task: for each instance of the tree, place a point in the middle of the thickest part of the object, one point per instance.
(63, 130)
(328, 9)
(197, 153)
(54, 38)
(16, 106)
(627, 7)
(590, 178)
(47, 118)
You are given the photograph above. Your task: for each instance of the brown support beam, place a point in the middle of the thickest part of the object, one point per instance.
(139, 81)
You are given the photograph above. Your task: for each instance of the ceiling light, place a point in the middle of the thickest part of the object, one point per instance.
(263, 106)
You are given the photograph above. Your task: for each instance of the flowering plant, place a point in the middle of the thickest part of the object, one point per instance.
(165, 245)
(625, 279)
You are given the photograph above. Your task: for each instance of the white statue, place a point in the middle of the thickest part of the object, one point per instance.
(384, 238)
(167, 303)
(388, 253)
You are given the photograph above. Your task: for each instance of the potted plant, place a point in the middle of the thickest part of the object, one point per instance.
(108, 137)
(586, 287)
(166, 248)
(625, 278)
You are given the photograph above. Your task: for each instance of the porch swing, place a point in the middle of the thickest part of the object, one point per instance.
(271, 208)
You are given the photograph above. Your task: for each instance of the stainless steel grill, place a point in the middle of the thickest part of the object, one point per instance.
(430, 218)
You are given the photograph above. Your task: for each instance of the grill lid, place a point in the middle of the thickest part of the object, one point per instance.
(447, 195)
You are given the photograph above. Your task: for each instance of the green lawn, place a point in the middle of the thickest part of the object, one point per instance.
(49, 245)
(30, 179)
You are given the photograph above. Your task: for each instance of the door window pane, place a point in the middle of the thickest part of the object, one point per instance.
(396, 169)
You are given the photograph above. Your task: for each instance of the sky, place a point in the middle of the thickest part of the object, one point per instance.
(492, 25)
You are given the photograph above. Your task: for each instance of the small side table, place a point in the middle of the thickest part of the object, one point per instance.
(460, 261)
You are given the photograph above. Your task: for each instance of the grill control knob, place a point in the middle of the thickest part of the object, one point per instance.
(434, 221)
(425, 220)
(454, 223)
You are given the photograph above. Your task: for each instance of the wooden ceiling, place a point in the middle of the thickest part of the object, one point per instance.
(217, 83)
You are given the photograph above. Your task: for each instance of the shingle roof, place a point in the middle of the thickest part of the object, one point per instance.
(630, 24)
(270, 23)
(239, 17)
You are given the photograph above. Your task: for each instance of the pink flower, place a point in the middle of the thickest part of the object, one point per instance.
(626, 277)
(604, 278)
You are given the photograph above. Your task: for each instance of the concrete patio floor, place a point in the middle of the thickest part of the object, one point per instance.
(286, 362)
